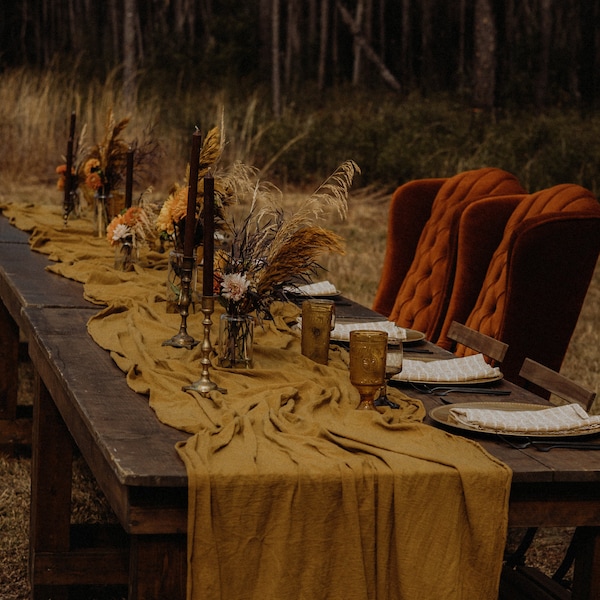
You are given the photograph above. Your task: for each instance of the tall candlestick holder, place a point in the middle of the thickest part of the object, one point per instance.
(183, 339)
(204, 385)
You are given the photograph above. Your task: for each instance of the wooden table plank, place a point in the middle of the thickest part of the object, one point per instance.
(23, 282)
(10, 234)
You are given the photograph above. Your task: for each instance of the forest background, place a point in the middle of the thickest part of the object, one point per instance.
(408, 89)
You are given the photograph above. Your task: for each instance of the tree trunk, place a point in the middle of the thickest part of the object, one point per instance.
(462, 31)
(541, 88)
(129, 54)
(405, 44)
(484, 67)
(358, 20)
(264, 36)
(323, 43)
(292, 47)
(275, 60)
(427, 66)
(384, 72)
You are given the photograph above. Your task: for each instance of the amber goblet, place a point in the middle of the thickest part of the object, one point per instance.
(368, 353)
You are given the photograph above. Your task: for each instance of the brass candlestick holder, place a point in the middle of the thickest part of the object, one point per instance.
(182, 339)
(204, 385)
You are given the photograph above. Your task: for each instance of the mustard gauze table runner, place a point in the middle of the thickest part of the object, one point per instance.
(293, 494)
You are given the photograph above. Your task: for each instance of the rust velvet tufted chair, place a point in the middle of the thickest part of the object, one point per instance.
(419, 263)
(537, 278)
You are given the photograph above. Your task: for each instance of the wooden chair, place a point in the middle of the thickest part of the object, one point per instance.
(488, 346)
(520, 582)
(556, 384)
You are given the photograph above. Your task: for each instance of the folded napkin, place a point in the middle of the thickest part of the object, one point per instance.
(569, 418)
(320, 288)
(466, 368)
(341, 331)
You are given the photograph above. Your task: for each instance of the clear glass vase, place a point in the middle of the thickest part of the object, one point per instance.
(100, 212)
(174, 275)
(236, 337)
(126, 256)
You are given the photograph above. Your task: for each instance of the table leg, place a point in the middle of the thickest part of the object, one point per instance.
(12, 430)
(158, 567)
(51, 480)
(586, 580)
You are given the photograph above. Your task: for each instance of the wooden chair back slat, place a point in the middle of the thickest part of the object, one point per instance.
(556, 383)
(488, 346)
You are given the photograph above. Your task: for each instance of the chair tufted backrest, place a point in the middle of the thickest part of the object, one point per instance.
(410, 208)
(424, 293)
(538, 276)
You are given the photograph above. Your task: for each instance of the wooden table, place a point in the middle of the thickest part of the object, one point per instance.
(21, 285)
(82, 401)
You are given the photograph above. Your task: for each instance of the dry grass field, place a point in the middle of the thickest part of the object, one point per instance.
(356, 274)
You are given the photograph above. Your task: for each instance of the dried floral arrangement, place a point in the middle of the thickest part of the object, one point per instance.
(134, 226)
(272, 251)
(171, 219)
(102, 167)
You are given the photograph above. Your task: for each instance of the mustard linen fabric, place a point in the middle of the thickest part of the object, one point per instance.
(293, 494)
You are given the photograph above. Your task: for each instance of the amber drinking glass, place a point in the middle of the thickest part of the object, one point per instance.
(368, 353)
(318, 319)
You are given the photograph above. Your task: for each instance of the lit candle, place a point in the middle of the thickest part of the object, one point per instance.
(209, 235)
(190, 217)
(129, 177)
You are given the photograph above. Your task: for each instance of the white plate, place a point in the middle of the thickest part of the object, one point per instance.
(440, 415)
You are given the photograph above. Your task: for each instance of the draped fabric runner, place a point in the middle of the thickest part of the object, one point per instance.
(293, 494)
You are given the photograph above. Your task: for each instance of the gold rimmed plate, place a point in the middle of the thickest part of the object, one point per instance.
(447, 383)
(412, 336)
(441, 415)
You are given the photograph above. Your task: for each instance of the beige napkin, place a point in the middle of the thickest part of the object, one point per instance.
(320, 288)
(341, 331)
(568, 418)
(466, 368)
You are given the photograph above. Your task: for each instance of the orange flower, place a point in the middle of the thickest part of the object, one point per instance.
(93, 181)
(132, 216)
(110, 230)
(91, 165)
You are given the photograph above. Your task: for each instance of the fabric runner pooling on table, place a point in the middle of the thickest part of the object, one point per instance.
(293, 493)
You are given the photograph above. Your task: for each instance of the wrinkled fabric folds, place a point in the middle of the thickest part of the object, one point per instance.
(294, 494)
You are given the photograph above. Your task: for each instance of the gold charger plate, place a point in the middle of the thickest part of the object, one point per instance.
(413, 336)
(440, 414)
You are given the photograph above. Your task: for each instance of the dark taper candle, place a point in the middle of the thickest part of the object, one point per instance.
(209, 235)
(129, 178)
(190, 217)
(68, 201)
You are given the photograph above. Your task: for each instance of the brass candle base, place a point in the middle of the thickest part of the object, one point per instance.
(182, 339)
(204, 385)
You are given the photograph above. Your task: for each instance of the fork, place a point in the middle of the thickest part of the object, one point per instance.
(547, 446)
(468, 390)
(442, 390)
